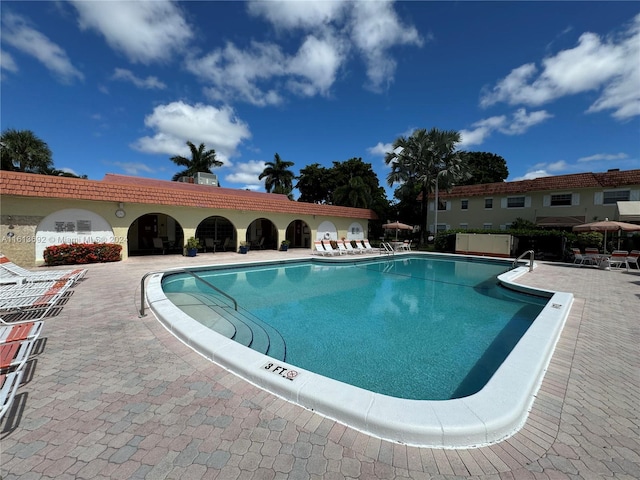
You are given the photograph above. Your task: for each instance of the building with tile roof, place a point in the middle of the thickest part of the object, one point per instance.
(556, 202)
(148, 216)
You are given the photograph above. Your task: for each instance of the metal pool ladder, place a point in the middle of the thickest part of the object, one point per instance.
(531, 254)
(142, 287)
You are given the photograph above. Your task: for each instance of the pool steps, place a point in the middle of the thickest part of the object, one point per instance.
(236, 325)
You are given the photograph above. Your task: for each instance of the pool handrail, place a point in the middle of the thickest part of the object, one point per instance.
(180, 270)
(531, 254)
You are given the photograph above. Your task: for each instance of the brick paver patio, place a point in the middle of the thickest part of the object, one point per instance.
(111, 395)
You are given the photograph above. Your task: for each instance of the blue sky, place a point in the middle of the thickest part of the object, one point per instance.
(119, 87)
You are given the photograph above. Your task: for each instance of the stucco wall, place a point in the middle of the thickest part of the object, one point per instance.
(25, 215)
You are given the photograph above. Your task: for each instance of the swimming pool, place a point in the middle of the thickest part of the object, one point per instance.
(479, 415)
(436, 328)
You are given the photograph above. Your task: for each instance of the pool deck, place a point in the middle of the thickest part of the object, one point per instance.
(112, 395)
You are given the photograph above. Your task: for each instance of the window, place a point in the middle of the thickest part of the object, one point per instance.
(464, 226)
(615, 196)
(442, 205)
(488, 203)
(464, 204)
(515, 202)
(487, 226)
(560, 199)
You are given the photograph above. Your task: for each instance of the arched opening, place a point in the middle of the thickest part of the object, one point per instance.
(299, 234)
(155, 234)
(262, 234)
(217, 234)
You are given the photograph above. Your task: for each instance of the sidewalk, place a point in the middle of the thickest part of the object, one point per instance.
(112, 395)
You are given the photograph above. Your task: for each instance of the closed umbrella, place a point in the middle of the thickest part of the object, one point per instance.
(397, 226)
(605, 226)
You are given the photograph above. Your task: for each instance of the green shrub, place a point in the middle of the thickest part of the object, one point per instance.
(78, 253)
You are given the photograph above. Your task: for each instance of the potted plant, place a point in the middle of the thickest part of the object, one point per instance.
(192, 246)
(244, 247)
(284, 245)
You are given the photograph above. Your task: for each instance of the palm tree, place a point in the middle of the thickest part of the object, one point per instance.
(421, 160)
(278, 177)
(356, 194)
(23, 151)
(201, 161)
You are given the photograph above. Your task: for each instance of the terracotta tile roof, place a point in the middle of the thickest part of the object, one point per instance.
(122, 188)
(612, 179)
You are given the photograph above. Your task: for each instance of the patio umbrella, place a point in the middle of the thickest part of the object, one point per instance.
(605, 226)
(397, 226)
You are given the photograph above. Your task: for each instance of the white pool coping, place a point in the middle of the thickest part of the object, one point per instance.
(493, 414)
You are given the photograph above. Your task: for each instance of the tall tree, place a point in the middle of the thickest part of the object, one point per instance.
(355, 193)
(421, 160)
(484, 168)
(23, 151)
(278, 177)
(201, 161)
(314, 184)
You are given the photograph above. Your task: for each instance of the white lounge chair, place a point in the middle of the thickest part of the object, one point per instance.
(319, 249)
(13, 355)
(9, 383)
(360, 247)
(19, 331)
(342, 249)
(12, 273)
(367, 245)
(579, 258)
(349, 247)
(32, 296)
(618, 258)
(327, 246)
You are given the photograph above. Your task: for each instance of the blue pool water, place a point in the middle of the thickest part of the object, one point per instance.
(413, 327)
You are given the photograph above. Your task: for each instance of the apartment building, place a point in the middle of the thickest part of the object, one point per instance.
(552, 202)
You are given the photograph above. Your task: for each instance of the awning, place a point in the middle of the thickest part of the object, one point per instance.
(629, 211)
(559, 221)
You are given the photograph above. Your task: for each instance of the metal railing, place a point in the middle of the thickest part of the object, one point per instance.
(144, 277)
(531, 254)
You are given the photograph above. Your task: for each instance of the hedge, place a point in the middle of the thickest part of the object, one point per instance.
(78, 253)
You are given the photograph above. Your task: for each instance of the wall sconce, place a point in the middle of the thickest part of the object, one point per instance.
(120, 213)
(10, 220)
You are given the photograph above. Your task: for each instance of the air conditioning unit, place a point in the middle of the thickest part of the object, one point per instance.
(202, 178)
(186, 179)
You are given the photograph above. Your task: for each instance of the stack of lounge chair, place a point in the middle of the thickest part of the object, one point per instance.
(26, 299)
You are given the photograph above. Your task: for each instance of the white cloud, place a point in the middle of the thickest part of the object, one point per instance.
(145, 32)
(17, 32)
(604, 157)
(375, 28)
(233, 73)
(245, 74)
(307, 14)
(7, 62)
(559, 166)
(380, 149)
(133, 168)
(148, 83)
(177, 122)
(522, 121)
(532, 175)
(519, 123)
(328, 32)
(606, 65)
(247, 173)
